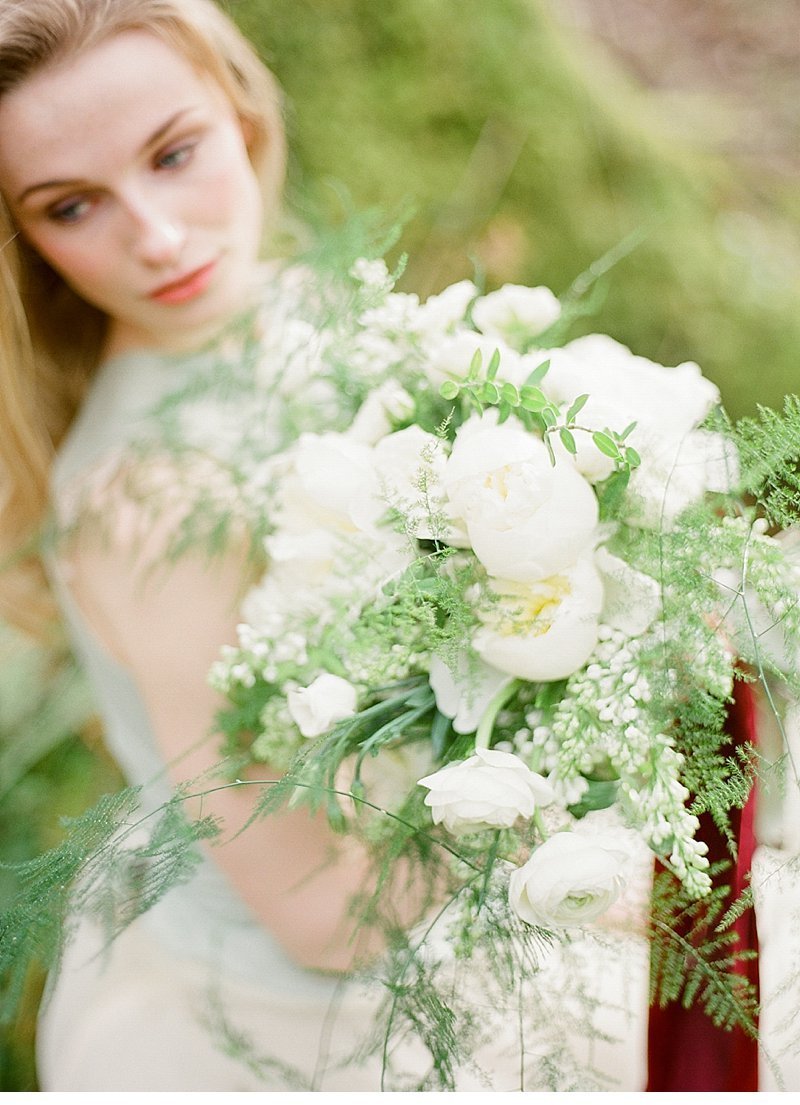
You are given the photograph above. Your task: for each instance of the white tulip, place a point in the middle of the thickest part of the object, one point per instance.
(443, 311)
(449, 357)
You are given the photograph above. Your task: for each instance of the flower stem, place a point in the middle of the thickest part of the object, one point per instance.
(484, 732)
(538, 821)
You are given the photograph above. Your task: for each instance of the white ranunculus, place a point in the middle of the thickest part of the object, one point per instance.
(464, 697)
(568, 881)
(632, 599)
(525, 518)
(516, 313)
(321, 704)
(489, 790)
(385, 404)
(544, 630)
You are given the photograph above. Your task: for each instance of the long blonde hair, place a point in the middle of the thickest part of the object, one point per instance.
(51, 339)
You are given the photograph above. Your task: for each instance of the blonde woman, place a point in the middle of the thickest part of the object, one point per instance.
(141, 148)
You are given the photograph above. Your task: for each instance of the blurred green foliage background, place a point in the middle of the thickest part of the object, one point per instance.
(527, 153)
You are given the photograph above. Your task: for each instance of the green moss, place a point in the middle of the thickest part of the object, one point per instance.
(524, 147)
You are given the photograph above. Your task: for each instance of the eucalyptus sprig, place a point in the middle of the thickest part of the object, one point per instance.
(536, 412)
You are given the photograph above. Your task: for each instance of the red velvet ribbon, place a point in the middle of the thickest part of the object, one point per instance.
(685, 1050)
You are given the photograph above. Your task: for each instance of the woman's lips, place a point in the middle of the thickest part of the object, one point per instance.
(186, 288)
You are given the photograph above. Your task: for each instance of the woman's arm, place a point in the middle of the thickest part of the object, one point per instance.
(165, 622)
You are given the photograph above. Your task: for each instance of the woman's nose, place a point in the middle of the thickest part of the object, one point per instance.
(160, 237)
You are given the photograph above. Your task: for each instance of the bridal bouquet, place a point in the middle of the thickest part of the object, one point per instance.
(514, 589)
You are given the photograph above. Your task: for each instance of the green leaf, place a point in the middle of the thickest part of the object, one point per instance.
(568, 440)
(489, 392)
(606, 445)
(576, 408)
(628, 430)
(599, 795)
(475, 365)
(550, 417)
(532, 399)
(510, 394)
(494, 364)
(538, 373)
(449, 390)
(610, 493)
(549, 445)
(440, 731)
(632, 457)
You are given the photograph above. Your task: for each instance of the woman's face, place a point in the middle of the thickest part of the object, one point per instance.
(128, 172)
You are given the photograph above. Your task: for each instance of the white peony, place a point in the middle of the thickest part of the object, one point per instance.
(321, 704)
(676, 399)
(544, 630)
(516, 313)
(448, 357)
(525, 518)
(679, 461)
(489, 790)
(465, 695)
(568, 881)
(677, 472)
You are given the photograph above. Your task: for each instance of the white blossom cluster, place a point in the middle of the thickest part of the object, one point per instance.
(361, 508)
(604, 717)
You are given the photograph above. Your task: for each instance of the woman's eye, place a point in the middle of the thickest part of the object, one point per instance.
(71, 211)
(175, 157)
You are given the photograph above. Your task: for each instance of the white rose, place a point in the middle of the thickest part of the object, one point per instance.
(441, 312)
(489, 790)
(385, 404)
(568, 881)
(525, 518)
(321, 704)
(465, 696)
(544, 630)
(516, 313)
(331, 476)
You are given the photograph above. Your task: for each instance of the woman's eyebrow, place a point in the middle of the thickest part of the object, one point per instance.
(152, 140)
